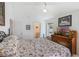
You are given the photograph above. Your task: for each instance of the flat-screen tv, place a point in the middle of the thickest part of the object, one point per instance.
(65, 21)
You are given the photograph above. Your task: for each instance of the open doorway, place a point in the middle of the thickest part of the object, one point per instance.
(49, 29)
(37, 30)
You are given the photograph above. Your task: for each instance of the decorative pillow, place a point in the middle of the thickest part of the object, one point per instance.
(2, 35)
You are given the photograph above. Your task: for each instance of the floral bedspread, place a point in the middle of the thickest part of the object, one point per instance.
(17, 47)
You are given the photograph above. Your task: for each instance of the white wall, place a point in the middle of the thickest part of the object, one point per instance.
(18, 13)
(20, 16)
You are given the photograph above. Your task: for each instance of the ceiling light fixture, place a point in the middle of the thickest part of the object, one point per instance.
(45, 5)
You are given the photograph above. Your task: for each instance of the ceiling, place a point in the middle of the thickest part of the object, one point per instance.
(35, 9)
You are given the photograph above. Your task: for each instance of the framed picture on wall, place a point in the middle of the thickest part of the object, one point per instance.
(65, 21)
(27, 27)
(2, 13)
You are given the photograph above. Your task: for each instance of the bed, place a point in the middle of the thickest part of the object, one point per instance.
(17, 47)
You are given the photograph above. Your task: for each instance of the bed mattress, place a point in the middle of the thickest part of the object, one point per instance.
(18, 47)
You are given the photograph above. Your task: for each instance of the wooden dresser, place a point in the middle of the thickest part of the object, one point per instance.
(69, 42)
